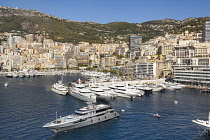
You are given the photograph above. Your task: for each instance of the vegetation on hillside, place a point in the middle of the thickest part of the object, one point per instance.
(31, 21)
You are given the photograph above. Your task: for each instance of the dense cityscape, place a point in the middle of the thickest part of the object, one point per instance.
(157, 58)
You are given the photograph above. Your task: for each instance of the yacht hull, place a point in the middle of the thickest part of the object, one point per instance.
(103, 97)
(202, 124)
(82, 122)
(83, 97)
(59, 92)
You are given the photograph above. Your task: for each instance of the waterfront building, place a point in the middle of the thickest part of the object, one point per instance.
(206, 32)
(145, 70)
(192, 74)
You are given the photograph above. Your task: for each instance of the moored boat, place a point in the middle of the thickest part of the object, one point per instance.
(101, 94)
(203, 124)
(81, 92)
(9, 75)
(60, 88)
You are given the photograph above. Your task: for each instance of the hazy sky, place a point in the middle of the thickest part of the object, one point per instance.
(105, 11)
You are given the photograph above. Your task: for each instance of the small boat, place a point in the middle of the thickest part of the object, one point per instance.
(6, 84)
(175, 102)
(9, 75)
(123, 110)
(157, 115)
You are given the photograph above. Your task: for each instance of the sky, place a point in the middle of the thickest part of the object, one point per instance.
(106, 11)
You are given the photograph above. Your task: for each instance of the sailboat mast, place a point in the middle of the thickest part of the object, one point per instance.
(56, 116)
(62, 78)
(209, 117)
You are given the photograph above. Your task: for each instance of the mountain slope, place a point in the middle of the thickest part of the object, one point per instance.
(31, 21)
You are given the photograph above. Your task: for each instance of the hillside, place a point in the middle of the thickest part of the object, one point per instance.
(26, 21)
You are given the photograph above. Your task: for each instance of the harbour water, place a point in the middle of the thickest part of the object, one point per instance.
(28, 103)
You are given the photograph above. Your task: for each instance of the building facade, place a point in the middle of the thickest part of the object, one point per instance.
(135, 42)
(145, 70)
(192, 74)
(206, 32)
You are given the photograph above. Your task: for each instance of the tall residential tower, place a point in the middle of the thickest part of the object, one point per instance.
(135, 42)
(206, 32)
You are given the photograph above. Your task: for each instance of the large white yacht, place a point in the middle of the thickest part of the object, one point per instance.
(144, 88)
(83, 117)
(100, 93)
(79, 91)
(59, 87)
(124, 91)
(203, 124)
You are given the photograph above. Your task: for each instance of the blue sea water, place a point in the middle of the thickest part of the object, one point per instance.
(28, 103)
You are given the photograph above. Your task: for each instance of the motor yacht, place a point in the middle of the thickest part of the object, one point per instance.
(203, 124)
(83, 116)
(81, 92)
(100, 93)
(60, 88)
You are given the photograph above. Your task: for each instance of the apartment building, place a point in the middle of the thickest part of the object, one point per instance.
(206, 32)
(135, 42)
(107, 62)
(144, 70)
